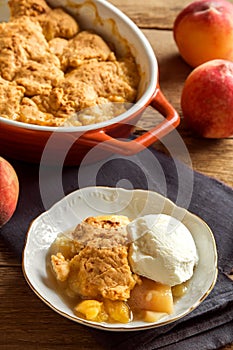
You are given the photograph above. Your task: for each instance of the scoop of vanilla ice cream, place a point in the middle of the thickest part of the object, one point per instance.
(162, 249)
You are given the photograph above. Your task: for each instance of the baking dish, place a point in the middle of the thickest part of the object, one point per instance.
(28, 142)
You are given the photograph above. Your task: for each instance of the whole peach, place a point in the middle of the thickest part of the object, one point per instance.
(207, 99)
(203, 31)
(9, 191)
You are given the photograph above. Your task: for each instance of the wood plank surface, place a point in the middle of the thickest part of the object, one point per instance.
(26, 323)
(151, 13)
(159, 14)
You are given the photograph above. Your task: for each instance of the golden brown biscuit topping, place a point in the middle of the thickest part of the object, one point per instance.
(63, 70)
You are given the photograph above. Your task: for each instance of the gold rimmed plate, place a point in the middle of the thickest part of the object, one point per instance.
(92, 201)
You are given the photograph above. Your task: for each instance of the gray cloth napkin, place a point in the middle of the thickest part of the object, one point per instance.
(210, 326)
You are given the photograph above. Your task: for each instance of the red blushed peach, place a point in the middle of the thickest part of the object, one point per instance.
(203, 31)
(9, 191)
(207, 99)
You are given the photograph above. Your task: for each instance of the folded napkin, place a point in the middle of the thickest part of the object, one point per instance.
(210, 326)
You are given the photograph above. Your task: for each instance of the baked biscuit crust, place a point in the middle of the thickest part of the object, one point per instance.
(100, 269)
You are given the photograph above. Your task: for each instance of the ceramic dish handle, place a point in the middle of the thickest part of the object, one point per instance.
(171, 121)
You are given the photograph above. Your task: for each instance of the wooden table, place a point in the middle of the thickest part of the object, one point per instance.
(27, 323)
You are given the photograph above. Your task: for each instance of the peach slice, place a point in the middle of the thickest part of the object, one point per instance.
(152, 296)
(152, 316)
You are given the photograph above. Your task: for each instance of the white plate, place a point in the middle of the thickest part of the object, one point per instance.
(91, 201)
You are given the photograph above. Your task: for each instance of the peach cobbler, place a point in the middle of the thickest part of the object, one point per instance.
(91, 266)
(50, 69)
